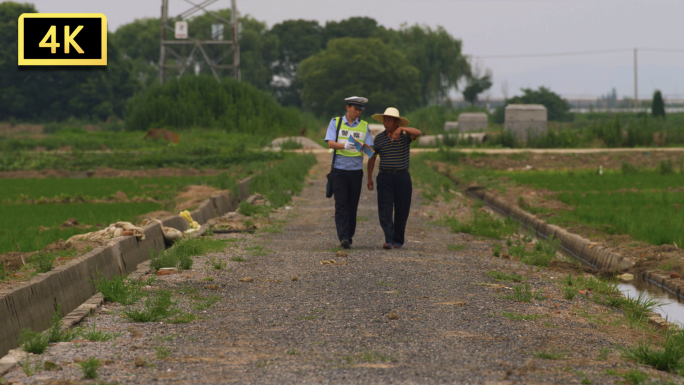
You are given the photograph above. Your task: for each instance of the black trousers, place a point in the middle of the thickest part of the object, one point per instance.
(347, 191)
(394, 194)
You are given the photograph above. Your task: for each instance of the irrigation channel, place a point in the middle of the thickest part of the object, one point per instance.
(672, 305)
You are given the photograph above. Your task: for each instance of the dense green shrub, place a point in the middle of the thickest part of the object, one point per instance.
(658, 105)
(202, 102)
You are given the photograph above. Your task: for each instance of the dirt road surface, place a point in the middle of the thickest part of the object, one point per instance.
(424, 314)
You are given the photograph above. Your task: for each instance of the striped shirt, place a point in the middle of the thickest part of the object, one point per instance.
(394, 155)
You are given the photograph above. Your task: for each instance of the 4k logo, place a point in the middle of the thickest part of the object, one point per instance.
(71, 39)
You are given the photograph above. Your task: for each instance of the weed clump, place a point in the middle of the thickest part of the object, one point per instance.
(55, 332)
(483, 225)
(155, 309)
(33, 342)
(89, 367)
(523, 293)
(503, 277)
(541, 255)
(180, 255)
(118, 289)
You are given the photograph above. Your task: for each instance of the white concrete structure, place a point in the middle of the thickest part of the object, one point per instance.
(451, 126)
(375, 129)
(472, 121)
(525, 120)
(435, 140)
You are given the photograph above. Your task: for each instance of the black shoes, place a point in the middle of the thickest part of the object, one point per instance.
(345, 244)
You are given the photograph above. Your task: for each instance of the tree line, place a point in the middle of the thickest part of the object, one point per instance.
(300, 63)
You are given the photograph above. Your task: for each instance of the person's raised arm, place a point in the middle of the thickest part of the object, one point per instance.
(414, 132)
(371, 165)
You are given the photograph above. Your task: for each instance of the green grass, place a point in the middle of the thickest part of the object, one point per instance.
(33, 342)
(550, 354)
(118, 289)
(183, 318)
(523, 293)
(157, 307)
(29, 366)
(283, 180)
(162, 352)
(649, 216)
(55, 332)
(504, 277)
(23, 221)
(180, 255)
(541, 254)
(98, 335)
(483, 225)
(89, 367)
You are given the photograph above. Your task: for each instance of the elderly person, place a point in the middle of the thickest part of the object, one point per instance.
(394, 181)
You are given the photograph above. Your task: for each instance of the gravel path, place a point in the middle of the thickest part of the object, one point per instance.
(331, 324)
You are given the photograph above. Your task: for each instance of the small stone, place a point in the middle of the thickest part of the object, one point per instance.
(247, 279)
(167, 271)
(674, 275)
(294, 279)
(49, 365)
(139, 362)
(341, 254)
(392, 316)
(212, 287)
(134, 333)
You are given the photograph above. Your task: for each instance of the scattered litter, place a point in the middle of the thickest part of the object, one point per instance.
(114, 230)
(625, 277)
(294, 279)
(674, 275)
(193, 223)
(167, 271)
(341, 254)
(392, 316)
(247, 279)
(288, 208)
(212, 287)
(330, 262)
(455, 303)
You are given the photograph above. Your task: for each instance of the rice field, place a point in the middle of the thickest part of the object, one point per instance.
(645, 205)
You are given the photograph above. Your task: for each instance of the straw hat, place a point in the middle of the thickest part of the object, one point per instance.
(393, 112)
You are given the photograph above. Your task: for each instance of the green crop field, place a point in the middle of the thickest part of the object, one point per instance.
(644, 205)
(22, 221)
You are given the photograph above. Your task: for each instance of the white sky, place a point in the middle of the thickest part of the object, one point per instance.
(494, 27)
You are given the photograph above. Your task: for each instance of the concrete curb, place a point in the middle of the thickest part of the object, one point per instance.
(32, 304)
(582, 248)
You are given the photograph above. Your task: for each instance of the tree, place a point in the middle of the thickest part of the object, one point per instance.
(359, 27)
(56, 93)
(558, 109)
(361, 67)
(139, 40)
(658, 105)
(297, 40)
(477, 85)
(438, 57)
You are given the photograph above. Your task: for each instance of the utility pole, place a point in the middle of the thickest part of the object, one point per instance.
(162, 46)
(636, 84)
(182, 62)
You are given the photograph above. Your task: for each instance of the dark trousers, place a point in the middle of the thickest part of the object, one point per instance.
(347, 191)
(394, 194)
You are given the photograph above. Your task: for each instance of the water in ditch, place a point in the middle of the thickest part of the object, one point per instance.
(672, 305)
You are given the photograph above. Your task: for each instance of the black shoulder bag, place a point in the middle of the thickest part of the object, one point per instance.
(328, 186)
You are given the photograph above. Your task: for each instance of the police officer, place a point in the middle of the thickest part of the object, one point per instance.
(347, 173)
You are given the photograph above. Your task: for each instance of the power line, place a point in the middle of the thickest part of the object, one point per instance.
(575, 53)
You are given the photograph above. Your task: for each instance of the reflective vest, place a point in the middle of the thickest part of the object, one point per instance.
(358, 132)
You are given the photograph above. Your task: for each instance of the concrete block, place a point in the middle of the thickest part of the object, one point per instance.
(526, 120)
(243, 189)
(471, 121)
(451, 126)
